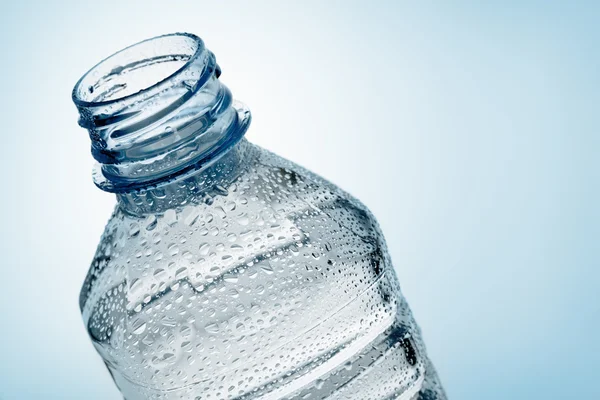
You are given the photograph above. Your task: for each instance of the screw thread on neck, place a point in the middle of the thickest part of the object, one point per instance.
(155, 111)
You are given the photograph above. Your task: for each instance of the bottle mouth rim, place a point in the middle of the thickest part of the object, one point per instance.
(90, 78)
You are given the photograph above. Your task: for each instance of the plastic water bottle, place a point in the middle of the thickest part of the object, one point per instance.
(225, 271)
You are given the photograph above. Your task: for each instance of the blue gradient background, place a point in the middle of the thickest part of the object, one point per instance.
(471, 130)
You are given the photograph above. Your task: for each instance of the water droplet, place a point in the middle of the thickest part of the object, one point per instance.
(266, 267)
(173, 249)
(220, 212)
(170, 217)
(204, 248)
(138, 327)
(134, 231)
(221, 190)
(151, 222)
(181, 273)
(243, 219)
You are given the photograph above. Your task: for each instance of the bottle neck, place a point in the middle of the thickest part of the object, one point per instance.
(195, 188)
(157, 113)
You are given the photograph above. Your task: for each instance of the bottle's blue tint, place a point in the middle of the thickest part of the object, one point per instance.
(227, 272)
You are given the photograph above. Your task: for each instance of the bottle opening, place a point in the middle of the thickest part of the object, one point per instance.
(137, 68)
(156, 111)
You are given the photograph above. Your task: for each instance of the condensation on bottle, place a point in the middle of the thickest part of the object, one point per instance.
(226, 271)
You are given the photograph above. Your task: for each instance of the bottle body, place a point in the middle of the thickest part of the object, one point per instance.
(273, 284)
(227, 272)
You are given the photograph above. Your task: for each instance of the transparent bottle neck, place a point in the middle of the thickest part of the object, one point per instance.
(196, 188)
(156, 112)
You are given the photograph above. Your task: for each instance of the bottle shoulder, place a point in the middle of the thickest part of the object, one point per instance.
(322, 193)
(272, 205)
